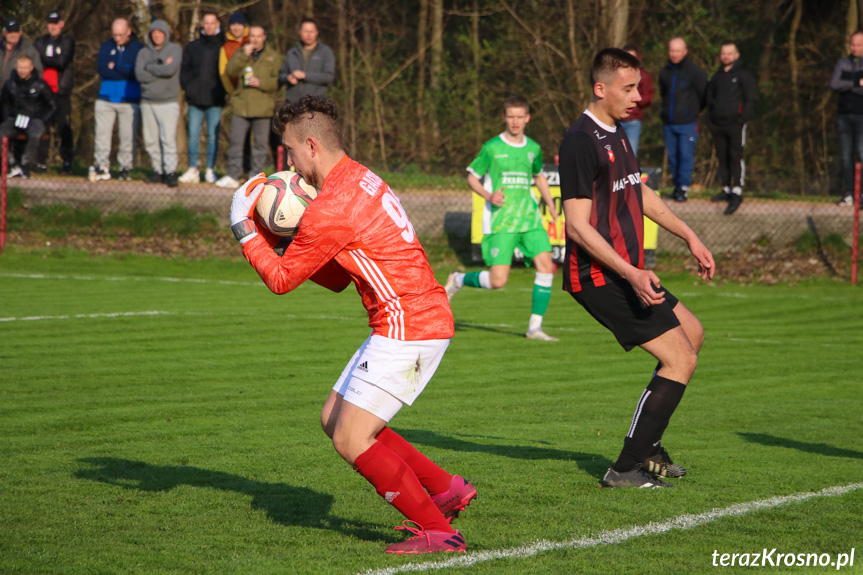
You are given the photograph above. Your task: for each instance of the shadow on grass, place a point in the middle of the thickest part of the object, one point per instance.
(591, 463)
(464, 326)
(284, 504)
(819, 448)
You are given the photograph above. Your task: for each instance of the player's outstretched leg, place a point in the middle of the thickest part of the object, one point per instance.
(451, 493)
(458, 280)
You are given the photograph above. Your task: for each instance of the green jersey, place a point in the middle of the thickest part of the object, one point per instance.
(511, 167)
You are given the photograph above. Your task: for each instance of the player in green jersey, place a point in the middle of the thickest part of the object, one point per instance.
(511, 218)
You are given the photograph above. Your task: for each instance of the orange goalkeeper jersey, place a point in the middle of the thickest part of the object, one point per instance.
(358, 223)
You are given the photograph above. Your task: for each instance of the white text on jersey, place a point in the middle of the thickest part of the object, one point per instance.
(630, 179)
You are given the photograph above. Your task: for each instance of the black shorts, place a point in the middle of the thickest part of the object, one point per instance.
(616, 306)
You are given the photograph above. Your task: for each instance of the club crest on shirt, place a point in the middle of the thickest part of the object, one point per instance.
(531, 157)
(610, 154)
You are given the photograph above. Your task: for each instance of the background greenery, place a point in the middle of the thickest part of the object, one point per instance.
(185, 439)
(421, 83)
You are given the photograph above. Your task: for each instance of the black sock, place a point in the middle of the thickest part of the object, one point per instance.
(651, 417)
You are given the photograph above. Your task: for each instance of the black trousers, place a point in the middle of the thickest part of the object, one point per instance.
(62, 124)
(729, 140)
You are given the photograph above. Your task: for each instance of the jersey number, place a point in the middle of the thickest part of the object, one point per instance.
(398, 215)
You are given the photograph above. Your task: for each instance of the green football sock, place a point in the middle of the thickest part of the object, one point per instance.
(472, 279)
(541, 297)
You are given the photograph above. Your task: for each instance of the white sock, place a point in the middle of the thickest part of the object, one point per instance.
(535, 323)
(543, 280)
(459, 280)
(485, 279)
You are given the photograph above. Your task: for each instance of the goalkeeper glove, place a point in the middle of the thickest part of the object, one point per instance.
(243, 207)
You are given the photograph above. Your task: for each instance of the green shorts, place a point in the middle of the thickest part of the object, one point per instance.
(497, 249)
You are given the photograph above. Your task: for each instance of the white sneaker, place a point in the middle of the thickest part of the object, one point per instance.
(210, 176)
(191, 176)
(846, 201)
(450, 286)
(15, 171)
(540, 335)
(227, 182)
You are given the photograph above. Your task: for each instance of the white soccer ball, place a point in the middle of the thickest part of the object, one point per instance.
(285, 198)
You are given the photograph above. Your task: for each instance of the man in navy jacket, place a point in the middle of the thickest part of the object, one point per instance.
(683, 86)
(119, 100)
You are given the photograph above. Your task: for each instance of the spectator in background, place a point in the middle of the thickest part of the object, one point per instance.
(847, 81)
(632, 124)
(683, 86)
(119, 100)
(158, 70)
(205, 94)
(730, 103)
(14, 45)
(252, 102)
(308, 70)
(29, 104)
(57, 51)
(236, 36)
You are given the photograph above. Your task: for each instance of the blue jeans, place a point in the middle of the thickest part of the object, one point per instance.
(214, 119)
(850, 136)
(633, 133)
(680, 140)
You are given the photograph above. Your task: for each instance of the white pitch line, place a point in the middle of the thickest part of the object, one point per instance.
(128, 279)
(86, 315)
(616, 536)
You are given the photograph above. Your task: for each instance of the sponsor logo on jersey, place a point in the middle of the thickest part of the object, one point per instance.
(364, 366)
(631, 179)
(370, 183)
(391, 495)
(610, 154)
(501, 156)
(598, 136)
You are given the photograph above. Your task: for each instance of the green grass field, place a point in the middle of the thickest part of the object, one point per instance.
(162, 417)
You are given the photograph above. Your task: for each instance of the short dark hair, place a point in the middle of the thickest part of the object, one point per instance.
(209, 13)
(308, 20)
(516, 102)
(855, 33)
(261, 26)
(312, 116)
(609, 61)
(728, 43)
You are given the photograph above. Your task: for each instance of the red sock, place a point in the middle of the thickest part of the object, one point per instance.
(432, 477)
(395, 482)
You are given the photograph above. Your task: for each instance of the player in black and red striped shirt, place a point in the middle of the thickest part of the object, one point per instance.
(604, 202)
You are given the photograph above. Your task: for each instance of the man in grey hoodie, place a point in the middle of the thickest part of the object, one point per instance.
(158, 70)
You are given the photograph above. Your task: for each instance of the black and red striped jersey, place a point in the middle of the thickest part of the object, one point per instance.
(596, 162)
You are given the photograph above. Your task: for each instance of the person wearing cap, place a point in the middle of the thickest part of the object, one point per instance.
(205, 94)
(14, 45)
(119, 100)
(29, 105)
(258, 67)
(158, 70)
(57, 51)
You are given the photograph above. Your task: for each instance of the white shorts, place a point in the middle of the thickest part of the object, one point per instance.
(385, 373)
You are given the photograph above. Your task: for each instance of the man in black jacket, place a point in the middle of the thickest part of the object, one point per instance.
(683, 86)
(730, 103)
(199, 77)
(847, 81)
(28, 104)
(57, 51)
